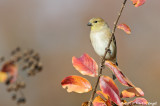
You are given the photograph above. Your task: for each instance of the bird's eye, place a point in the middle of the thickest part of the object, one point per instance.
(95, 21)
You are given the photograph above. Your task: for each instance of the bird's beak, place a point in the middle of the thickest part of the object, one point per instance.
(89, 24)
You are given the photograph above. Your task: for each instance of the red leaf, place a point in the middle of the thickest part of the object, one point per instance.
(131, 92)
(140, 101)
(138, 3)
(11, 69)
(120, 76)
(109, 87)
(76, 83)
(98, 101)
(3, 76)
(85, 65)
(125, 28)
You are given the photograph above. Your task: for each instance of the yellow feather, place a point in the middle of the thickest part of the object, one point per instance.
(100, 36)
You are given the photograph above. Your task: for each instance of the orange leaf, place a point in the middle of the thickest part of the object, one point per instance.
(124, 101)
(108, 102)
(120, 76)
(131, 92)
(138, 3)
(125, 28)
(108, 87)
(76, 83)
(98, 101)
(139, 101)
(126, 94)
(85, 104)
(11, 69)
(3, 76)
(103, 95)
(85, 65)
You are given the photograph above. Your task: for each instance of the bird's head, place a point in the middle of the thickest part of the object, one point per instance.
(96, 23)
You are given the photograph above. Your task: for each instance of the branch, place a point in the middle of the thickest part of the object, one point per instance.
(106, 51)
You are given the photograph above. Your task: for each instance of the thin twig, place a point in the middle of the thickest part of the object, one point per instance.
(106, 51)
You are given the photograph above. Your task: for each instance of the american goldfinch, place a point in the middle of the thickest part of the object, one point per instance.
(100, 35)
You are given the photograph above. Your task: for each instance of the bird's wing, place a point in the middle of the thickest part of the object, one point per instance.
(114, 40)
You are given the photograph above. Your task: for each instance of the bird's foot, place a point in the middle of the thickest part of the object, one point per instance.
(109, 51)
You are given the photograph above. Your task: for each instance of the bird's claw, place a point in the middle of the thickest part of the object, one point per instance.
(109, 51)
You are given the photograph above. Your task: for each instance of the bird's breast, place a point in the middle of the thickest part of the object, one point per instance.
(100, 41)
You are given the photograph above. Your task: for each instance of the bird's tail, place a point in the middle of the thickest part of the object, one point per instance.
(116, 63)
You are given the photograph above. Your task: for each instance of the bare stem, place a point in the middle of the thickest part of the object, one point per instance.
(106, 51)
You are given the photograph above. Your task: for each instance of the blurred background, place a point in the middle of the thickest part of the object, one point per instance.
(57, 30)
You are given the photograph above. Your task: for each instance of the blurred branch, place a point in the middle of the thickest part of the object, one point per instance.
(29, 61)
(106, 51)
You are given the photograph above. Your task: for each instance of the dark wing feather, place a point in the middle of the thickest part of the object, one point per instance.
(114, 40)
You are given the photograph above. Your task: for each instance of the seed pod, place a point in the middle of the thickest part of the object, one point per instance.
(25, 54)
(30, 63)
(13, 52)
(18, 58)
(31, 52)
(21, 84)
(25, 67)
(16, 87)
(31, 73)
(39, 67)
(10, 88)
(18, 49)
(36, 57)
(26, 59)
(21, 100)
(14, 96)
(8, 80)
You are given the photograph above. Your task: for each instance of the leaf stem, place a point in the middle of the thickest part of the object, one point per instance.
(106, 51)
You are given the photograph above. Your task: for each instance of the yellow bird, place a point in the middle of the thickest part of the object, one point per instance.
(100, 35)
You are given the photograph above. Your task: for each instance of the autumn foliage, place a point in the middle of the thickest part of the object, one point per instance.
(108, 94)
